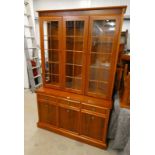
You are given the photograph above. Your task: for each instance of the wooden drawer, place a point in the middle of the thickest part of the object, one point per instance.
(47, 98)
(94, 109)
(69, 102)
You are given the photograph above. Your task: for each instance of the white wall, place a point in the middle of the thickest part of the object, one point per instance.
(64, 4)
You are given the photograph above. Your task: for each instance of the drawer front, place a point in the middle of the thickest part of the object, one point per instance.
(94, 109)
(43, 112)
(47, 98)
(69, 102)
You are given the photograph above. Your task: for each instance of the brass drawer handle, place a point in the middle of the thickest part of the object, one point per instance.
(46, 98)
(92, 118)
(68, 102)
(68, 110)
(93, 109)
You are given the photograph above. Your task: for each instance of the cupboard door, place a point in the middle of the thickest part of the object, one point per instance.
(102, 55)
(43, 112)
(52, 114)
(48, 113)
(51, 31)
(68, 119)
(75, 47)
(92, 126)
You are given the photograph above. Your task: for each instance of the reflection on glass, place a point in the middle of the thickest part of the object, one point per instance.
(54, 68)
(74, 53)
(73, 83)
(69, 28)
(51, 79)
(53, 43)
(92, 86)
(78, 58)
(101, 45)
(79, 28)
(69, 57)
(103, 74)
(77, 71)
(78, 44)
(51, 53)
(98, 74)
(69, 43)
(103, 27)
(69, 82)
(53, 56)
(77, 83)
(100, 60)
(97, 87)
(69, 70)
(102, 88)
(73, 57)
(46, 44)
(54, 28)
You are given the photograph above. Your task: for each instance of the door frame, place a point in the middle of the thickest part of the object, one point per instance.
(41, 24)
(85, 37)
(113, 56)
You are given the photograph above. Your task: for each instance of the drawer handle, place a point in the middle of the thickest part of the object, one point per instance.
(46, 97)
(92, 118)
(68, 110)
(93, 109)
(68, 102)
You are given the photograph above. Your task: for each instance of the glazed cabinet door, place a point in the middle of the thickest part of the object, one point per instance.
(68, 119)
(47, 113)
(51, 48)
(103, 41)
(92, 126)
(75, 48)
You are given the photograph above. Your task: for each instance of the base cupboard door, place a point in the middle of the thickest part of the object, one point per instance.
(92, 126)
(52, 114)
(68, 119)
(48, 113)
(43, 111)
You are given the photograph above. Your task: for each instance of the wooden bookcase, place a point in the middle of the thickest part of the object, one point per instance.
(79, 49)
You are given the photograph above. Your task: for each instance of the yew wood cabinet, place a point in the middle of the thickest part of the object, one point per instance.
(79, 50)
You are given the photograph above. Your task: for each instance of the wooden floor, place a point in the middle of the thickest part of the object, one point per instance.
(42, 142)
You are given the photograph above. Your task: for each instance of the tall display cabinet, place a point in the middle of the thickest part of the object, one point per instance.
(79, 49)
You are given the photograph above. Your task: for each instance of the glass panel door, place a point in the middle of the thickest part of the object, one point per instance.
(52, 51)
(100, 58)
(75, 47)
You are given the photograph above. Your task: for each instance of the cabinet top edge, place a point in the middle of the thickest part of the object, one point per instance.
(85, 9)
